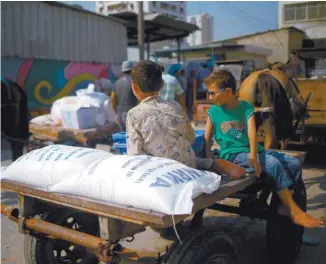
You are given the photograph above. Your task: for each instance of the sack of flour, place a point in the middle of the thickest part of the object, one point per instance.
(44, 167)
(157, 184)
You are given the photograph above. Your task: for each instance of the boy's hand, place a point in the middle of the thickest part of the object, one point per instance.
(117, 119)
(256, 165)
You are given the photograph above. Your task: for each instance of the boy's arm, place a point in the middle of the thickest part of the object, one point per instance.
(180, 94)
(190, 130)
(253, 144)
(113, 102)
(135, 141)
(208, 138)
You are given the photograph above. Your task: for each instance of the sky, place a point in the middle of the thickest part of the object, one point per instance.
(231, 18)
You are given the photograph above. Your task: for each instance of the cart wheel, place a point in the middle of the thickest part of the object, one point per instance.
(283, 237)
(204, 246)
(41, 250)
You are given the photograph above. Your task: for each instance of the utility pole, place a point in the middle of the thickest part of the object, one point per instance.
(140, 23)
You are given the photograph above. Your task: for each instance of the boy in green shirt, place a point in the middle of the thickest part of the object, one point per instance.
(232, 125)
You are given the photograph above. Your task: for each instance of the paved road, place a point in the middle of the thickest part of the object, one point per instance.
(250, 233)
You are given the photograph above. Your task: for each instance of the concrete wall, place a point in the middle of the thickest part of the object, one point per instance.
(275, 41)
(45, 81)
(280, 42)
(314, 29)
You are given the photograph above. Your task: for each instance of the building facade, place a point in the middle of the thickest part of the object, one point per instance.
(175, 9)
(309, 16)
(206, 33)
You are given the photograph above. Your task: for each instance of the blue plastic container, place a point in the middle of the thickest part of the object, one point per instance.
(119, 137)
(199, 141)
(120, 145)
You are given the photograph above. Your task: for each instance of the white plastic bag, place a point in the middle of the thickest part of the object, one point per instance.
(57, 105)
(43, 167)
(42, 120)
(87, 98)
(144, 182)
(109, 113)
(94, 99)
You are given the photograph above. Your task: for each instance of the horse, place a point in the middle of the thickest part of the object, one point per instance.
(272, 89)
(14, 116)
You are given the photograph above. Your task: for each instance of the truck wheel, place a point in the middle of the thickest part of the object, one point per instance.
(204, 246)
(41, 250)
(283, 237)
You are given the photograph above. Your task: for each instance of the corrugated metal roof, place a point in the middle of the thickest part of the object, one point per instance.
(259, 33)
(75, 8)
(168, 52)
(157, 27)
(40, 30)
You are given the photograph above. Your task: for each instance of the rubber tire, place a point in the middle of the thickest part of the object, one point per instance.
(35, 248)
(200, 246)
(283, 237)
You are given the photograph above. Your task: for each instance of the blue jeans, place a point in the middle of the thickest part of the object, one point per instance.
(281, 171)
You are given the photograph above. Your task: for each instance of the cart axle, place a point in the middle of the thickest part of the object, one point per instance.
(104, 250)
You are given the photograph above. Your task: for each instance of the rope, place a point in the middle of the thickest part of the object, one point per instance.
(175, 230)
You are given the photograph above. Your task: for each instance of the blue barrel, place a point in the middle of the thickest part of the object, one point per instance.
(120, 145)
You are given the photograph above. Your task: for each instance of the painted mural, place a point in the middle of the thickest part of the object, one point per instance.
(48, 80)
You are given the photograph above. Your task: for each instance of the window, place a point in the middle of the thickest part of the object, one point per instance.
(117, 6)
(300, 13)
(173, 8)
(181, 10)
(305, 11)
(164, 6)
(289, 14)
(154, 3)
(312, 10)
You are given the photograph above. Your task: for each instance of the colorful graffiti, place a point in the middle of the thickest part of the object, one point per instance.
(48, 80)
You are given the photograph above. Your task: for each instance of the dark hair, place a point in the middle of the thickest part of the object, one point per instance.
(127, 72)
(162, 68)
(222, 78)
(147, 75)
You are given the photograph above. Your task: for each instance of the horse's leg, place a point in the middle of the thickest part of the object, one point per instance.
(17, 149)
(271, 141)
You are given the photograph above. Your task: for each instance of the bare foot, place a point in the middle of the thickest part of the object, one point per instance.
(305, 220)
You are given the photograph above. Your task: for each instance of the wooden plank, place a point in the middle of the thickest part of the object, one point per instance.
(206, 200)
(126, 213)
(317, 89)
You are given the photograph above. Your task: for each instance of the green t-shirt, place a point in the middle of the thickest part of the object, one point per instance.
(231, 128)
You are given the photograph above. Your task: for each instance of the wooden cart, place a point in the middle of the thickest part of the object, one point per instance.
(69, 229)
(46, 135)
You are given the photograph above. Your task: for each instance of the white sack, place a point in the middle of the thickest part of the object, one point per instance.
(144, 182)
(110, 115)
(87, 98)
(42, 120)
(44, 167)
(57, 105)
(94, 99)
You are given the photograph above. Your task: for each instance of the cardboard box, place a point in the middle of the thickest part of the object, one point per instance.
(77, 117)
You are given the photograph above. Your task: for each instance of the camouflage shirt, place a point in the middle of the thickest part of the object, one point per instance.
(160, 128)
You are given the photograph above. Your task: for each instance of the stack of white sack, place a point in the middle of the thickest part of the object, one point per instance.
(143, 182)
(42, 120)
(58, 105)
(42, 168)
(87, 109)
(100, 101)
